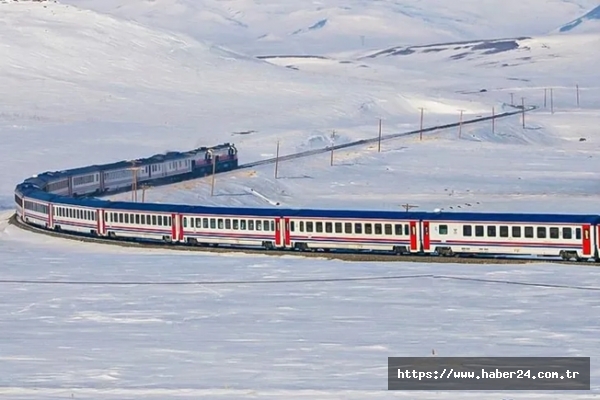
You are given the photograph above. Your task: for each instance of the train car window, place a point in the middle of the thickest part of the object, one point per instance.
(198, 223)
(272, 226)
(554, 233)
(170, 221)
(578, 233)
(567, 233)
(329, 227)
(121, 218)
(338, 227)
(467, 230)
(491, 231)
(250, 225)
(348, 228)
(309, 226)
(358, 228)
(154, 220)
(388, 229)
(504, 231)
(236, 224)
(528, 231)
(368, 229)
(205, 223)
(160, 220)
(258, 225)
(143, 219)
(479, 230)
(398, 229)
(443, 229)
(541, 232)
(406, 230)
(213, 223)
(319, 227)
(516, 231)
(378, 229)
(292, 226)
(243, 224)
(185, 222)
(220, 223)
(301, 226)
(227, 223)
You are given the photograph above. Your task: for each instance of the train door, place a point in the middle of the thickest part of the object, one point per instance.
(180, 225)
(282, 232)
(100, 228)
(176, 227)
(50, 216)
(426, 238)
(587, 240)
(101, 181)
(413, 236)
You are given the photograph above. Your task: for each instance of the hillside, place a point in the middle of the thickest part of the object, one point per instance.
(270, 27)
(587, 23)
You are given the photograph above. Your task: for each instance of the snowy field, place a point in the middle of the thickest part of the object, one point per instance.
(94, 81)
(179, 330)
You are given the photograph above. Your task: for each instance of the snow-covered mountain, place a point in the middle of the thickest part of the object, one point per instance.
(589, 22)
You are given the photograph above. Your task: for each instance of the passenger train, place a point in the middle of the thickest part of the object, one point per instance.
(62, 201)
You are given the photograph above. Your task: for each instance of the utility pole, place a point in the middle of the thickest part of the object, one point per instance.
(523, 106)
(552, 100)
(332, 143)
(379, 142)
(512, 101)
(408, 206)
(421, 130)
(545, 91)
(577, 88)
(493, 119)
(460, 121)
(277, 160)
(134, 186)
(214, 167)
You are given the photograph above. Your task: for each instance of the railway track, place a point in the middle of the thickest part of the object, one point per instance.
(362, 142)
(332, 255)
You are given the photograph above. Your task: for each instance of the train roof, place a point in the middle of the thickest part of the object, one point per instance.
(312, 213)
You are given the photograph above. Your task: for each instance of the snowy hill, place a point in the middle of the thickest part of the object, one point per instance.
(588, 23)
(270, 27)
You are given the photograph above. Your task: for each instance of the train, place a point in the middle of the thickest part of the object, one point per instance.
(69, 201)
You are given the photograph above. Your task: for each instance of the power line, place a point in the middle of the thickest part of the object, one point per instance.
(306, 280)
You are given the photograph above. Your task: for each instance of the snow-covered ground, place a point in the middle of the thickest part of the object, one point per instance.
(94, 81)
(154, 324)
